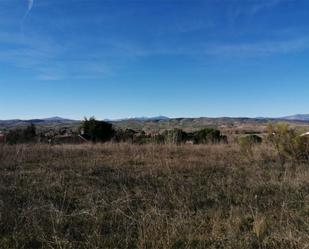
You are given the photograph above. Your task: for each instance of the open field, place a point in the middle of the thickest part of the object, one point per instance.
(151, 196)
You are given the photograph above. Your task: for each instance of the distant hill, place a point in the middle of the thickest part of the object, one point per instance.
(41, 122)
(151, 118)
(57, 119)
(191, 124)
(157, 122)
(298, 117)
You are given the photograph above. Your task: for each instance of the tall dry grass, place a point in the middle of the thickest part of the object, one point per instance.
(151, 196)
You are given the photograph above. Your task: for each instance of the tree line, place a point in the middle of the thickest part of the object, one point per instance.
(96, 131)
(287, 141)
(101, 131)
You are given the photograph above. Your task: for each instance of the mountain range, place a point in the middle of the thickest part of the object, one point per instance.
(59, 120)
(44, 121)
(298, 117)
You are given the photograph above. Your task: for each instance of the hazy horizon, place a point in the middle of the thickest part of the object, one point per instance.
(124, 58)
(146, 117)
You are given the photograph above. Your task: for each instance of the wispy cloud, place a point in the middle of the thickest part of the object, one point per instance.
(263, 48)
(30, 5)
(29, 8)
(250, 9)
(53, 54)
(259, 49)
(256, 7)
(49, 60)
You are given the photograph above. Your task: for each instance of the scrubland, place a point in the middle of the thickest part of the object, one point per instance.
(152, 196)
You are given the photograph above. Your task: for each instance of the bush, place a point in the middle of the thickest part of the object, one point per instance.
(27, 135)
(175, 136)
(126, 135)
(251, 139)
(158, 139)
(141, 138)
(208, 135)
(97, 131)
(288, 142)
(246, 143)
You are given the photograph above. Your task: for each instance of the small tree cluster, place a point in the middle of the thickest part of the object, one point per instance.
(142, 138)
(100, 131)
(175, 136)
(97, 131)
(158, 139)
(208, 135)
(26, 135)
(126, 135)
(204, 136)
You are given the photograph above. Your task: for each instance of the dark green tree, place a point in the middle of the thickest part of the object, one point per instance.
(26, 135)
(207, 135)
(126, 135)
(30, 132)
(97, 131)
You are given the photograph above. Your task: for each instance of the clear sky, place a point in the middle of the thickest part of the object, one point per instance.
(130, 58)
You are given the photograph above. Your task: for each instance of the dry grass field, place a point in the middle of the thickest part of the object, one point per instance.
(151, 196)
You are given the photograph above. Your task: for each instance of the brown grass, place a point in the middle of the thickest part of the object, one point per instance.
(151, 196)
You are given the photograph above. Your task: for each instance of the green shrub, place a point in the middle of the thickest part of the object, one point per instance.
(158, 139)
(251, 139)
(27, 135)
(175, 136)
(246, 143)
(126, 135)
(142, 138)
(97, 131)
(289, 143)
(208, 135)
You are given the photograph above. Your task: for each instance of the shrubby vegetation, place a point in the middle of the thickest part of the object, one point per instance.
(248, 142)
(126, 135)
(288, 142)
(158, 139)
(100, 131)
(97, 131)
(26, 135)
(208, 135)
(175, 136)
(252, 139)
(94, 130)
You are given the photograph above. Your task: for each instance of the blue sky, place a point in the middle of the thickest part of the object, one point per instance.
(124, 58)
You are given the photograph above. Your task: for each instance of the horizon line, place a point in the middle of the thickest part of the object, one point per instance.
(153, 117)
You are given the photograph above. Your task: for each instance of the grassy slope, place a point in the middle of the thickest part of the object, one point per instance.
(126, 196)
